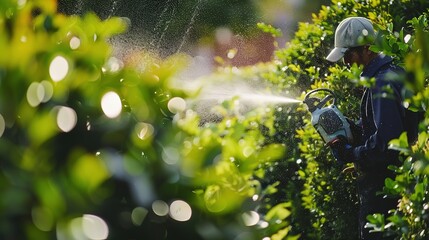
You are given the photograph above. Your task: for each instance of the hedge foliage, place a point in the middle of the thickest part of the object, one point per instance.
(328, 194)
(93, 147)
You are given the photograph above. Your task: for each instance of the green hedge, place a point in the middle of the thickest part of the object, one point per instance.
(328, 195)
(319, 198)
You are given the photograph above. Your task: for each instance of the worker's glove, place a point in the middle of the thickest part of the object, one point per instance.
(356, 130)
(342, 151)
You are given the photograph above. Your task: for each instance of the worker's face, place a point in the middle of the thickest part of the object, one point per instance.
(354, 55)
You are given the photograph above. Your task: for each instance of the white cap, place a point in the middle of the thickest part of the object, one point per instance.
(351, 32)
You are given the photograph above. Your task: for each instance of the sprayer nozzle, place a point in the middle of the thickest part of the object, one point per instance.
(312, 103)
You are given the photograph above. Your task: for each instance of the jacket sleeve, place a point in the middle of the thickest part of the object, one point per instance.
(387, 114)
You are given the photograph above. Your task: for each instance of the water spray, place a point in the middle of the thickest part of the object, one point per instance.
(328, 120)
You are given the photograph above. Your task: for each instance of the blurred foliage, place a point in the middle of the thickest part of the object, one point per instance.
(92, 147)
(170, 26)
(86, 136)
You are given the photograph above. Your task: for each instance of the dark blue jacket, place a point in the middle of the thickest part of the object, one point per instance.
(381, 115)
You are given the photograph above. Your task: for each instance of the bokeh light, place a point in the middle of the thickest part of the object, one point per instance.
(66, 119)
(74, 227)
(160, 208)
(47, 89)
(176, 105)
(144, 130)
(231, 53)
(74, 43)
(111, 104)
(58, 69)
(247, 151)
(138, 215)
(43, 219)
(250, 218)
(170, 155)
(2, 125)
(255, 197)
(180, 211)
(263, 224)
(21, 3)
(407, 38)
(32, 94)
(86, 227)
(94, 227)
(113, 65)
(39, 92)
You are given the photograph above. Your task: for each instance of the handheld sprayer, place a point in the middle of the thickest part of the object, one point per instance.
(329, 122)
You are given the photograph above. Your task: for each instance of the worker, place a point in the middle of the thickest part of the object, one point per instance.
(382, 119)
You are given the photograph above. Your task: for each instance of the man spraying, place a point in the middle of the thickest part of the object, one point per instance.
(382, 119)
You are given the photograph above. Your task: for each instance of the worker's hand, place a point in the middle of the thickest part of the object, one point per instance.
(356, 130)
(342, 151)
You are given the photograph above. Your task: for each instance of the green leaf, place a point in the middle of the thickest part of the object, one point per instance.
(42, 127)
(388, 182)
(88, 172)
(281, 234)
(275, 32)
(271, 152)
(400, 144)
(279, 212)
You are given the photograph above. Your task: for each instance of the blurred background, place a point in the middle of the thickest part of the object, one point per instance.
(222, 29)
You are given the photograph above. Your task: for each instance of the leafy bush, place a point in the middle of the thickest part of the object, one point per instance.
(84, 136)
(410, 219)
(328, 195)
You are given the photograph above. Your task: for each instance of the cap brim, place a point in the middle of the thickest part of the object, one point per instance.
(336, 54)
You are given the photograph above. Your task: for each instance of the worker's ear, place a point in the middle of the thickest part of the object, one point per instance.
(367, 54)
(366, 50)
